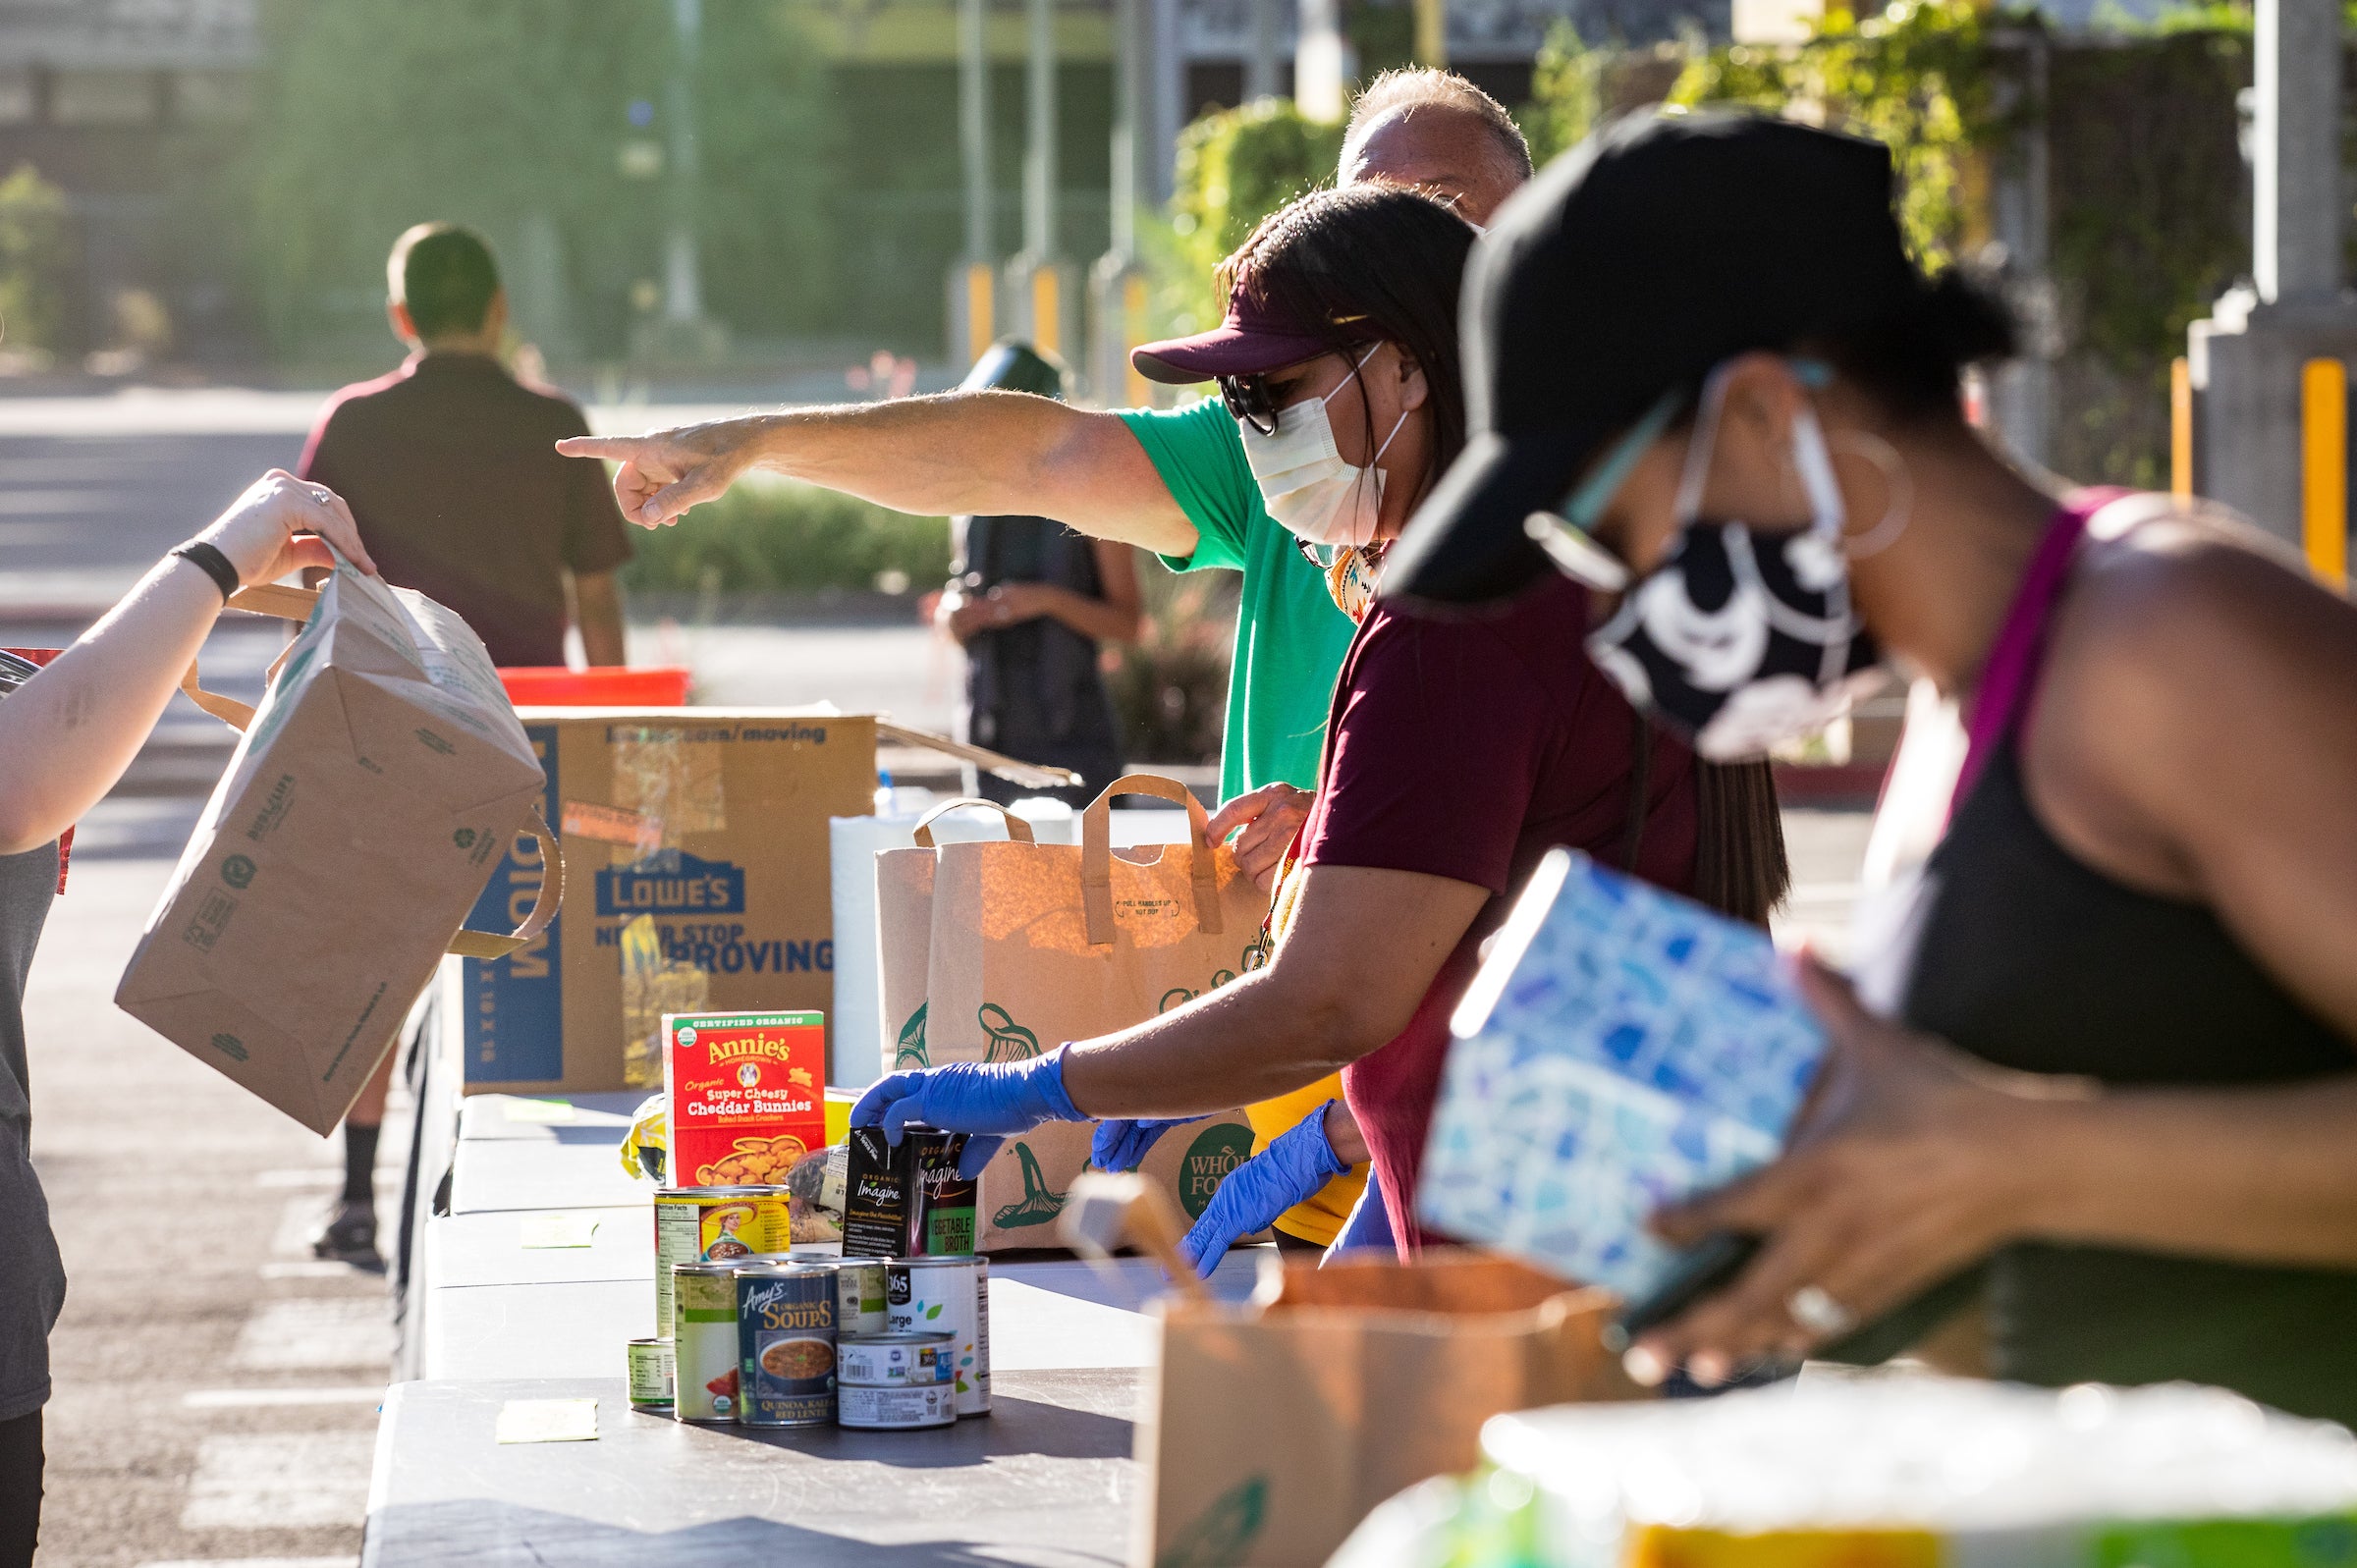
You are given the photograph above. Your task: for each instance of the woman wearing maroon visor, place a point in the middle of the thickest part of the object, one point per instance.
(1458, 752)
(2106, 1090)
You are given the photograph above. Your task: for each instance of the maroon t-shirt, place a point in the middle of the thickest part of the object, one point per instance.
(1467, 747)
(451, 468)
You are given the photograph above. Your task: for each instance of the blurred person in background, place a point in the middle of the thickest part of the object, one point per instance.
(1179, 483)
(1459, 752)
(66, 736)
(1030, 601)
(448, 464)
(2091, 1106)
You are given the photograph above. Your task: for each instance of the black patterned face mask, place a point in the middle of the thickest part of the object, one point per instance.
(1740, 641)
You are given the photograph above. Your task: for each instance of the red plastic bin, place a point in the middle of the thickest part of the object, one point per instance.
(607, 686)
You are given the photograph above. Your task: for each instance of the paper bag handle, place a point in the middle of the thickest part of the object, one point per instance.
(1018, 829)
(1096, 854)
(262, 599)
(485, 945)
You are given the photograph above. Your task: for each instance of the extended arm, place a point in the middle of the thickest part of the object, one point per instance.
(961, 451)
(67, 735)
(1364, 947)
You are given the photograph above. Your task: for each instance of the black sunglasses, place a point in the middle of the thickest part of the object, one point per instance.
(1250, 401)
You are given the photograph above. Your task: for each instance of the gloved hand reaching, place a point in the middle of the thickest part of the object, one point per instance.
(971, 1097)
(1295, 1165)
(1122, 1145)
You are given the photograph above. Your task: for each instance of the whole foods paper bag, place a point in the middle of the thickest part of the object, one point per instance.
(1033, 944)
(1271, 1430)
(358, 818)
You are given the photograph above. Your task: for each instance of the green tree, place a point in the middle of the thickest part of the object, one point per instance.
(1920, 78)
(512, 118)
(35, 258)
(1567, 91)
(1235, 168)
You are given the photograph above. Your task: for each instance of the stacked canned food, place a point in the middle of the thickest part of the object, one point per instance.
(893, 1334)
(806, 1340)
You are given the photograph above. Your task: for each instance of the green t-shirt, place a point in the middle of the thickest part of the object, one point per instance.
(1289, 638)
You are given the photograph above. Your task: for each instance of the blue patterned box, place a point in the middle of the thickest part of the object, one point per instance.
(1621, 1048)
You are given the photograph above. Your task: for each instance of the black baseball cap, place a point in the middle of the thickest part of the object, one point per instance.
(1660, 247)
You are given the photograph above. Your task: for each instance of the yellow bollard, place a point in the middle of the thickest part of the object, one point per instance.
(2325, 470)
(1133, 310)
(981, 299)
(2180, 428)
(1047, 319)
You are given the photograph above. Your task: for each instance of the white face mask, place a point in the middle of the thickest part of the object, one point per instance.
(1304, 483)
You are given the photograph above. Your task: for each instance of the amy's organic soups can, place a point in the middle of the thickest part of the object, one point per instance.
(786, 1345)
(651, 1376)
(952, 1296)
(704, 1343)
(712, 1224)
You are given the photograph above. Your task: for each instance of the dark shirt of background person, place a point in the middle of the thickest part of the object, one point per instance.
(449, 464)
(1031, 600)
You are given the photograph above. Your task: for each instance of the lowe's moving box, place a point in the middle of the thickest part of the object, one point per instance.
(696, 852)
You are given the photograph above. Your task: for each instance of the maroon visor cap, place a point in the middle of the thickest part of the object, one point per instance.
(1253, 340)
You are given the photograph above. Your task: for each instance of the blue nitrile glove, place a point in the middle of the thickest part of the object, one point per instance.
(1368, 1230)
(971, 1097)
(1290, 1169)
(1122, 1145)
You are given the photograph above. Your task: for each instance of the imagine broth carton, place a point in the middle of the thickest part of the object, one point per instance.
(744, 1093)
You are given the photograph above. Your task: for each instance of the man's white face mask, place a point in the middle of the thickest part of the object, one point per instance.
(1304, 483)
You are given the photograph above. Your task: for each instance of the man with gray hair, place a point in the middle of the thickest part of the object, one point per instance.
(1177, 483)
(1437, 133)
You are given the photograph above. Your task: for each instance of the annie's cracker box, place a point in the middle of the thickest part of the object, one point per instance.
(744, 1095)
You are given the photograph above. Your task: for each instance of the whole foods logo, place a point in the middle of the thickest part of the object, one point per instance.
(238, 872)
(1009, 1040)
(463, 838)
(1208, 1161)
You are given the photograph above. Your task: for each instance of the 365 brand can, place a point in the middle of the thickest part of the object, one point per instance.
(704, 1346)
(651, 1376)
(898, 1361)
(712, 1224)
(899, 1408)
(937, 1295)
(786, 1345)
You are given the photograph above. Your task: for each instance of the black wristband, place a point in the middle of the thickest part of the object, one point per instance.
(216, 566)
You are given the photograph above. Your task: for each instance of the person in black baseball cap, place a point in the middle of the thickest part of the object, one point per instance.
(2106, 1080)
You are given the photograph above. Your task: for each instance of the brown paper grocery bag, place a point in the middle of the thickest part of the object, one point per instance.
(1033, 944)
(342, 848)
(905, 930)
(1272, 1429)
(1037, 943)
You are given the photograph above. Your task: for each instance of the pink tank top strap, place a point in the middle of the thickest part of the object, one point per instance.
(2009, 678)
